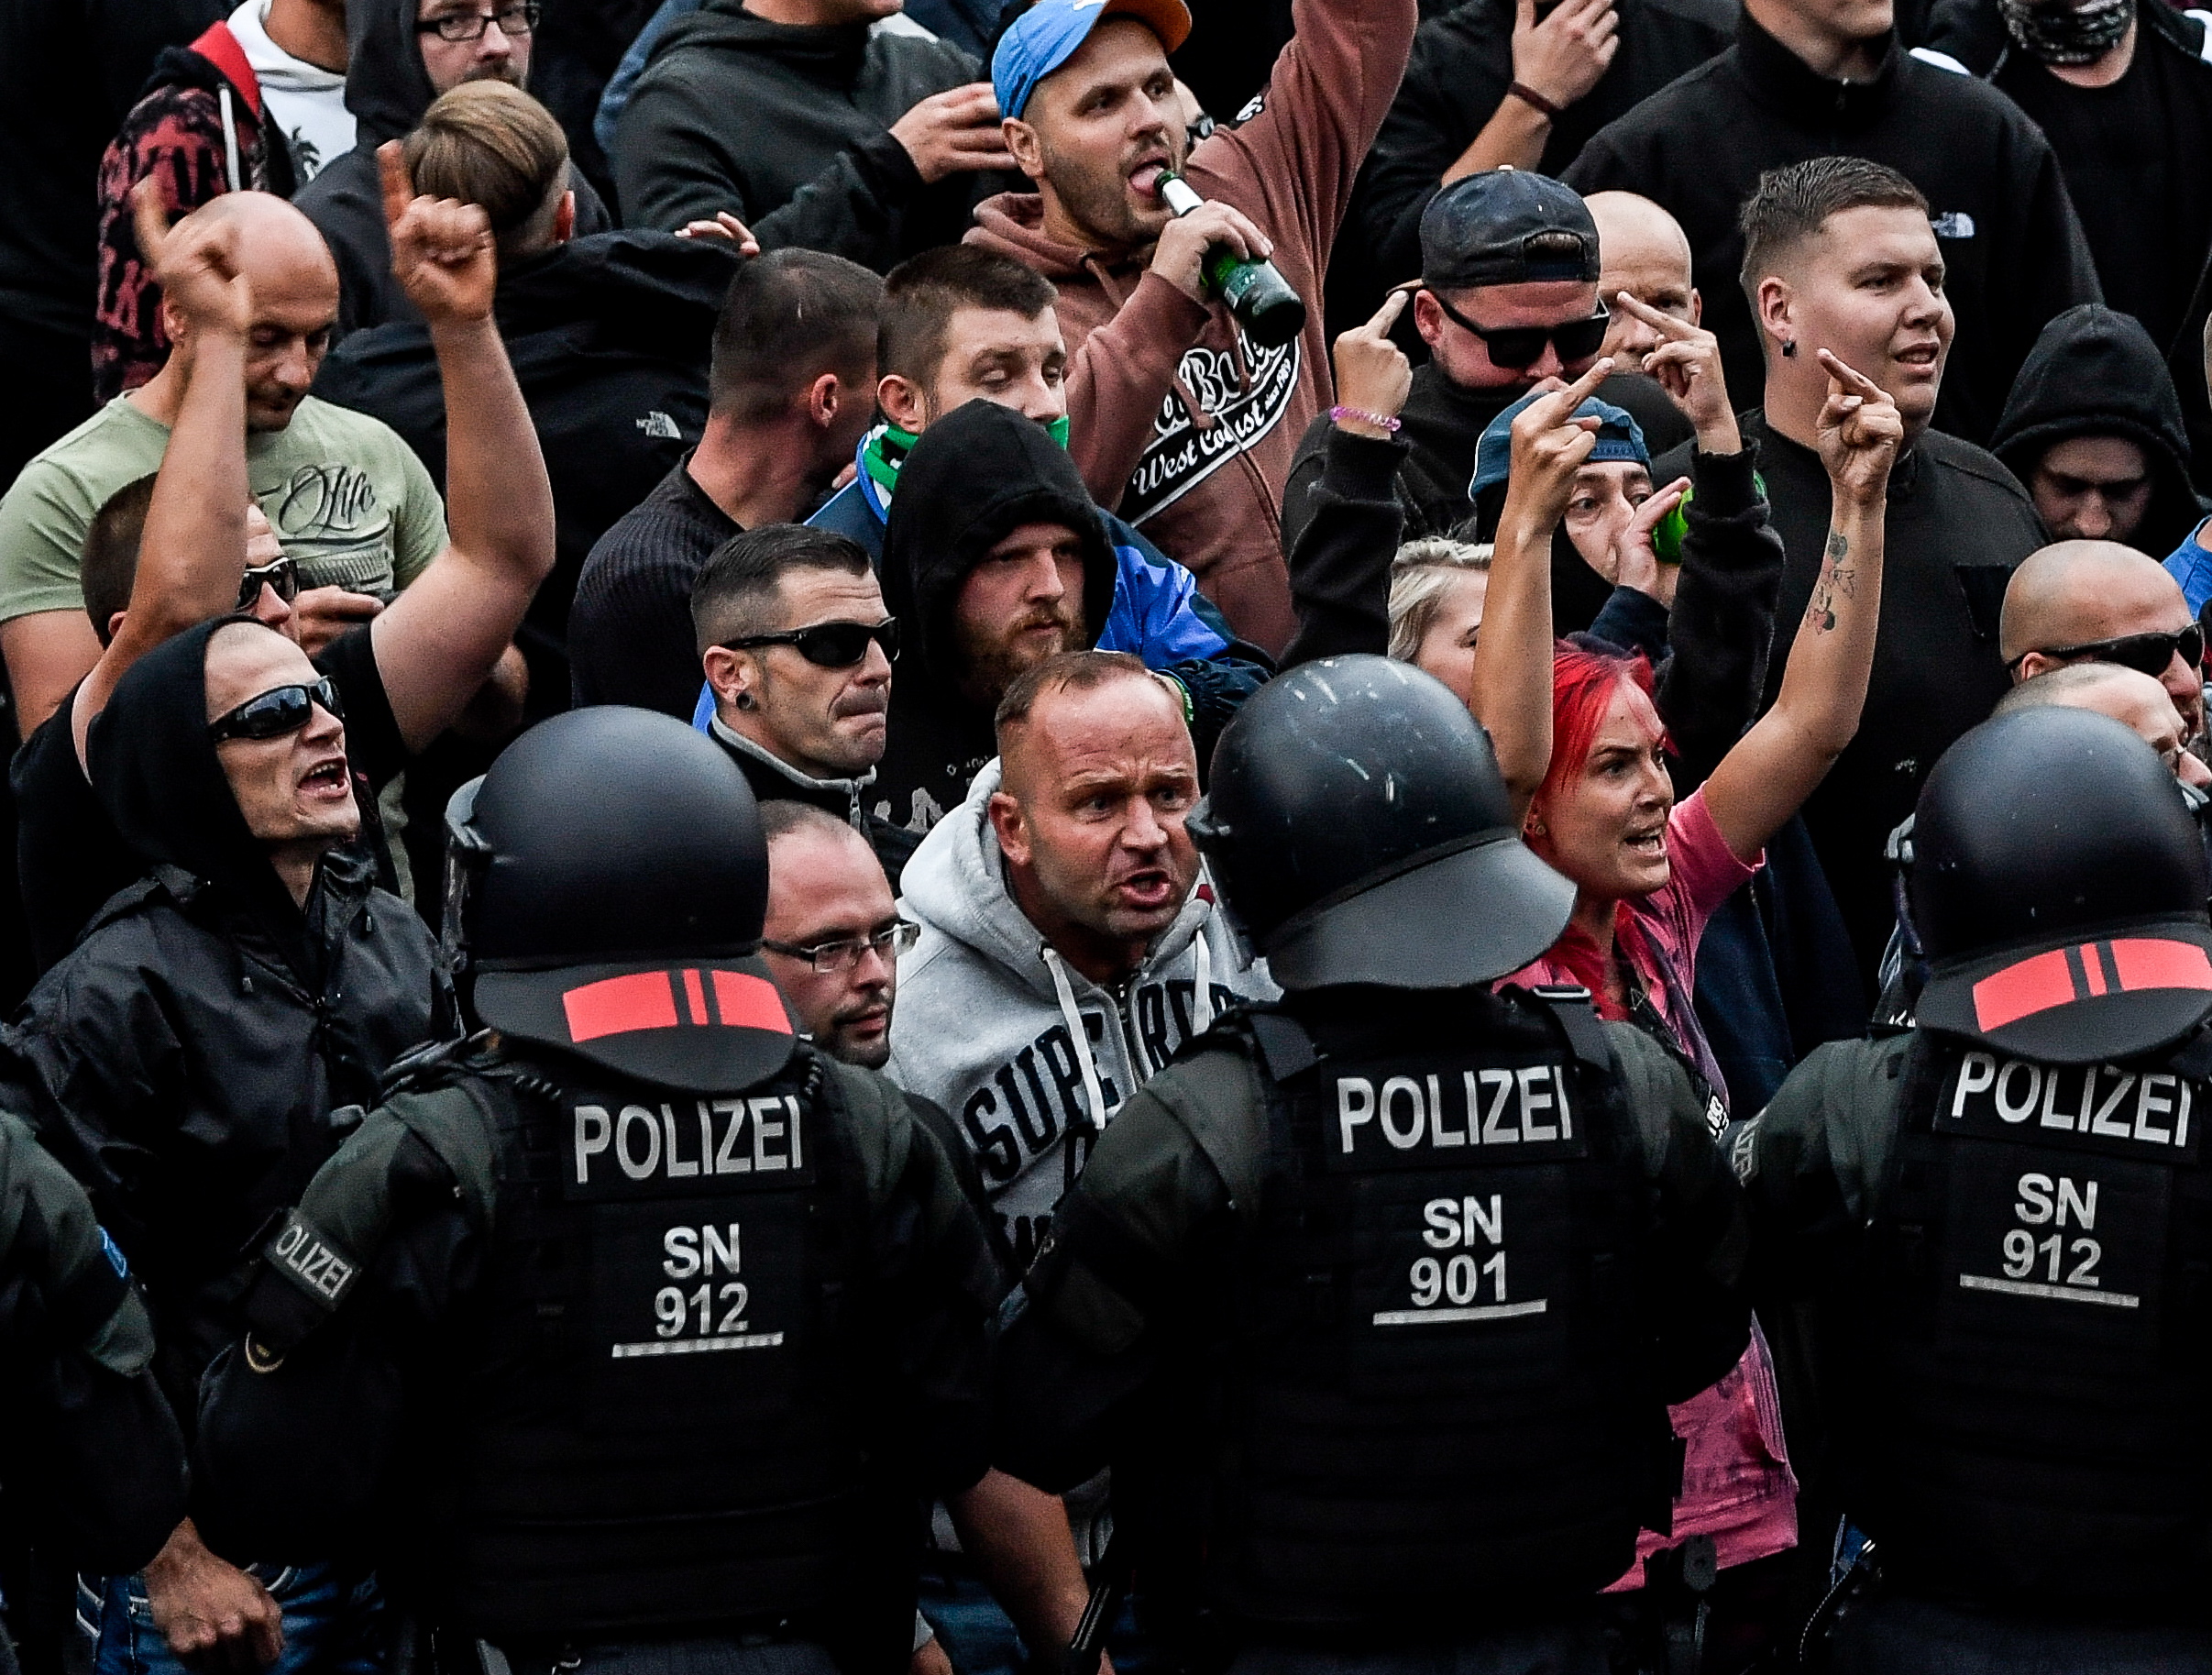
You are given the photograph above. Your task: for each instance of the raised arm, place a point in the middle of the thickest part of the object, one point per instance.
(444, 634)
(1511, 689)
(1774, 768)
(194, 544)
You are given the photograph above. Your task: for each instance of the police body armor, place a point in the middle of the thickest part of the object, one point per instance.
(656, 1425)
(1432, 1395)
(2034, 1426)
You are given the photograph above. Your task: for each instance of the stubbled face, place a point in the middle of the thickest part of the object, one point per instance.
(2139, 702)
(829, 887)
(1843, 20)
(1605, 497)
(995, 354)
(829, 722)
(1022, 604)
(293, 789)
(1465, 358)
(1606, 828)
(1099, 130)
(295, 303)
(2109, 602)
(2092, 488)
(1869, 288)
(493, 55)
(1098, 784)
(1448, 649)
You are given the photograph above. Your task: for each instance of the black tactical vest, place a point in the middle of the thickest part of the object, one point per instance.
(1432, 1398)
(2035, 1424)
(655, 1423)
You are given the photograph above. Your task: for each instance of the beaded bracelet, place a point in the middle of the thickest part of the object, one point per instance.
(1336, 415)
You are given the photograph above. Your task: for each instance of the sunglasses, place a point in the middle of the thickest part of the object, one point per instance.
(2148, 653)
(829, 645)
(1515, 347)
(279, 710)
(281, 576)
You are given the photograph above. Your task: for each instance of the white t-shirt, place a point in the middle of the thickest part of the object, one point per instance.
(306, 101)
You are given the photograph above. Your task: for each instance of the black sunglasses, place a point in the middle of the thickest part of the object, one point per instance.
(2148, 653)
(279, 710)
(1515, 347)
(281, 576)
(829, 645)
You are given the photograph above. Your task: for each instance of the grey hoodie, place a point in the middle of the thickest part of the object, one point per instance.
(1030, 1056)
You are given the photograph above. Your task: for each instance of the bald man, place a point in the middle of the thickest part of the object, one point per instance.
(2082, 601)
(2129, 697)
(1643, 250)
(348, 500)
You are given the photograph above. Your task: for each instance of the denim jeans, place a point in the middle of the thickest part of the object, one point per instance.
(334, 1624)
(979, 1639)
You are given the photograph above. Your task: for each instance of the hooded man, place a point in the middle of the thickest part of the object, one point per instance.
(994, 560)
(190, 1061)
(401, 58)
(2092, 429)
(1068, 947)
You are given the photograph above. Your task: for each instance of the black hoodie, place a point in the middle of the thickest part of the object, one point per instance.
(975, 476)
(387, 90)
(609, 338)
(789, 128)
(185, 1060)
(2096, 372)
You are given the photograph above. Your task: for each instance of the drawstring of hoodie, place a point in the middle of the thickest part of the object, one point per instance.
(1081, 1036)
(1202, 999)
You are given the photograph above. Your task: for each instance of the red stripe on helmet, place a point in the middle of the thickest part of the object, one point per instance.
(616, 1005)
(2144, 962)
(748, 1002)
(2033, 984)
(695, 997)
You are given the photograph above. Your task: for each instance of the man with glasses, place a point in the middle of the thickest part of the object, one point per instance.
(404, 53)
(408, 674)
(834, 934)
(798, 649)
(1509, 298)
(2097, 601)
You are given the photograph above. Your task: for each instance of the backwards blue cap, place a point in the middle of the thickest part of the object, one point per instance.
(1620, 438)
(1047, 35)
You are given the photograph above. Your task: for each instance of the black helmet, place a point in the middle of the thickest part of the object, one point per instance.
(1360, 831)
(606, 882)
(2057, 884)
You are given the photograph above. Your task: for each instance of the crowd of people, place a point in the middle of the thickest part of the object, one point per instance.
(742, 834)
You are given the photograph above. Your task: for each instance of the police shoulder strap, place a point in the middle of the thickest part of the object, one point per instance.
(1572, 1009)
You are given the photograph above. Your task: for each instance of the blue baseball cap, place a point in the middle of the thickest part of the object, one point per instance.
(1620, 438)
(1047, 35)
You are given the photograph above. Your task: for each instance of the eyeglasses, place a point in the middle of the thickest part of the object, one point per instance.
(2149, 653)
(1515, 347)
(281, 576)
(517, 19)
(829, 645)
(829, 959)
(279, 710)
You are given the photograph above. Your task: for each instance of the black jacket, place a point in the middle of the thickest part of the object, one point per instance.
(609, 336)
(2009, 235)
(184, 1061)
(789, 128)
(387, 90)
(1455, 81)
(1957, 527)
(976, 475)
(2097, 373)
(775, 781)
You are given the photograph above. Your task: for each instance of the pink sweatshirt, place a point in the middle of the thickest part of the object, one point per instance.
(1737, 1486)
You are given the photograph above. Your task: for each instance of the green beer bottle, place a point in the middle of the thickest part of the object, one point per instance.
(1270, 311)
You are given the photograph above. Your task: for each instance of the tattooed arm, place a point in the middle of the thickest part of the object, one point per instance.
(1774, 768)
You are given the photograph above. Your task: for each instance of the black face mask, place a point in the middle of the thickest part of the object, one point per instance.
(2058, 32)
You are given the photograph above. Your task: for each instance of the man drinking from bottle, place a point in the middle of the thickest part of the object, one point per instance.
(1178, 421)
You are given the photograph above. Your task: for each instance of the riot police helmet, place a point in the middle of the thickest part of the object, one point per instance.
(606, 884)
(1358, 828)
(2057, 884)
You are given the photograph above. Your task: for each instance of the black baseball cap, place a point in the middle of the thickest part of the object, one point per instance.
(1506, 226)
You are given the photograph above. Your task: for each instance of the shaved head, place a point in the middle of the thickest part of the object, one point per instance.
(2087, 593)
(295, 301)
(2128, 696)
(1631, 227)
(1643, 250)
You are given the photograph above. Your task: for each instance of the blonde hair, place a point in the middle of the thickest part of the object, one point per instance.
(1419, 576)
(492, 145)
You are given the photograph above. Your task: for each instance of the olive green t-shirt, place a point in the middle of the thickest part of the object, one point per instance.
(348, 498)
